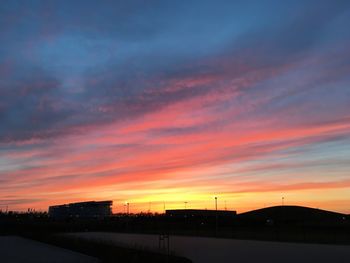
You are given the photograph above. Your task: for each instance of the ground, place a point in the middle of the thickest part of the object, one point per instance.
(15, 249)
(203, 250)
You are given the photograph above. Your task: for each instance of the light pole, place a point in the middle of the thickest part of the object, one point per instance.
(216, 216)
(127, 208)
(283, 201)
(185, 205)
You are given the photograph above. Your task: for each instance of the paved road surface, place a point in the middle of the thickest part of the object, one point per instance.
(203, 250)
(15, 249)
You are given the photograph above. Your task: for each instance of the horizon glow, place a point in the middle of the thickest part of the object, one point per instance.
(158, 103)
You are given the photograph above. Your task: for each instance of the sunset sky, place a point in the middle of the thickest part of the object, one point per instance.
(164, 102)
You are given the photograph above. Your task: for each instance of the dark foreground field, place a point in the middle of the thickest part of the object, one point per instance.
(108, 252)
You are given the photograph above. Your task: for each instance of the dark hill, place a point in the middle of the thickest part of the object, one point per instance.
(291, 214)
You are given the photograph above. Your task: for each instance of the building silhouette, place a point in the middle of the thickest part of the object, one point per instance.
(91, 209)
(188, 213)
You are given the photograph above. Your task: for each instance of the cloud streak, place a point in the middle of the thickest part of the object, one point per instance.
(186, 101)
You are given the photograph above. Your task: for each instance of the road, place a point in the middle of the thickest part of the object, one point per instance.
(203, 250)
(15, 249)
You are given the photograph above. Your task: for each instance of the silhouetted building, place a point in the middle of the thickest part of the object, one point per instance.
(291, 215)
(91, 209)
(182, 213)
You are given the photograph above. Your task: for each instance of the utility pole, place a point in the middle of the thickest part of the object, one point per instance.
(216, 216)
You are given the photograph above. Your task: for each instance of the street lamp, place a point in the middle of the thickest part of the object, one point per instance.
(185, 205)
(216, 216)
(127, 207)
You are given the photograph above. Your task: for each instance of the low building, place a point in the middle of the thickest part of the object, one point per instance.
(203, 213)
(91, 209)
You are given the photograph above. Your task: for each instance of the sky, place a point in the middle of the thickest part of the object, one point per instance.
(158, 103)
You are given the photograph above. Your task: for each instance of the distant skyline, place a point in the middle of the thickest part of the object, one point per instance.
(153, 102)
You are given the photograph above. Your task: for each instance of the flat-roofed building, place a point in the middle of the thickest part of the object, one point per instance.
(91, 209)
(182, 213)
